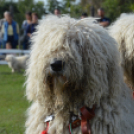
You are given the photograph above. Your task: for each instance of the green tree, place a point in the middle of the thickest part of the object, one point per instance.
(69, 7)
(6, 6)
(19, 8)
(114, 8)
(132, 7)
(29, 5)
(53, 4)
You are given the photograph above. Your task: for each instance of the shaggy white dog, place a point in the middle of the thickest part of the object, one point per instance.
(75, 63)
(17, 63)
(122, 31)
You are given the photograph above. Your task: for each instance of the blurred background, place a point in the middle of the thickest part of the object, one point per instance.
(23, 15)
(75, 8)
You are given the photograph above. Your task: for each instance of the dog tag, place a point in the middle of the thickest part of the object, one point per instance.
(49, 118)
(73, 117)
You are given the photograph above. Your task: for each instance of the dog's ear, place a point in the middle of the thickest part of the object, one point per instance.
(35, 76)
(101, 66)
(31, 83)
(102, 78)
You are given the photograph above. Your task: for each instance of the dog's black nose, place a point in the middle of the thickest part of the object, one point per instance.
(57, 65)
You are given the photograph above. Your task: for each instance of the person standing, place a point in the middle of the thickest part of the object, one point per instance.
(32, 27)
(57, 12)
(10, 31)
(1, 23)
(84, 15)
(25, 24)
(103, 21)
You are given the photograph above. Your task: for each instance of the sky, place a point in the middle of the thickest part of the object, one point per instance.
(43, 0)
(57, 0)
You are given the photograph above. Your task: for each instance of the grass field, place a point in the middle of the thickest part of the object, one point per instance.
(13, 103)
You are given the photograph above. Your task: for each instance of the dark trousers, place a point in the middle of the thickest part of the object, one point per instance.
(11, 40)
(26, 44)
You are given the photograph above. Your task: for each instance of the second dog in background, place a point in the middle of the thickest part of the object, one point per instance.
(16, 63)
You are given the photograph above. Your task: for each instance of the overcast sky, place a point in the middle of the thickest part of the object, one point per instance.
(57, 0)
(45, 1)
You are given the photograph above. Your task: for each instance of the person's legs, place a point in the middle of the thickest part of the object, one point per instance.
(10, 40)
(3, 47)
(14, 44)
(25, 45)
(4, 44)
(29, 44)
(8, 45)
(0, 44)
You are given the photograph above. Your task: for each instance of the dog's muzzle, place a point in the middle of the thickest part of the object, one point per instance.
(57, 65)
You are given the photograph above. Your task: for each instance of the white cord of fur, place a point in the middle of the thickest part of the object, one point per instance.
(91, 66)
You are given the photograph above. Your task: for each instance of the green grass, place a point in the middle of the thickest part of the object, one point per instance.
(13, 103)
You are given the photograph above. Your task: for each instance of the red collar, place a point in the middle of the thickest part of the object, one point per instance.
(86, 115)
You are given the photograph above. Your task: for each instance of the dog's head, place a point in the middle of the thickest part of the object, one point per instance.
(63, 58)
(9, 58)
(72, 55)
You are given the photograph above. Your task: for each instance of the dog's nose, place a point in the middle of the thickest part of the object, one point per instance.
(57, 65)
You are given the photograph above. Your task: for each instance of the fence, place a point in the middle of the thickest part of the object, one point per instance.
(11, 51)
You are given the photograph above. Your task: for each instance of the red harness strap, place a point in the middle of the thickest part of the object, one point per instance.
(46, 131)
(86, 116)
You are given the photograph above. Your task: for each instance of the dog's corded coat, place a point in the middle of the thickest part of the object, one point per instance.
(91, 75)
(122, 30)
